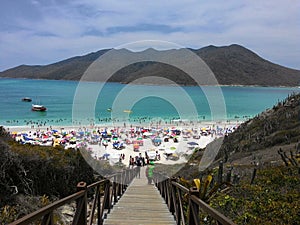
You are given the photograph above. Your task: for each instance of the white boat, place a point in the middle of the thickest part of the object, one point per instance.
(38, 108)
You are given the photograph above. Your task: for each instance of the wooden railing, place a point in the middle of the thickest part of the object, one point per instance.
(182, 202)
(105, 194)
(185, 204)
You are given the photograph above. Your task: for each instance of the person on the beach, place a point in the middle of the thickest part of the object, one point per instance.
(149, 172)
(131, 162)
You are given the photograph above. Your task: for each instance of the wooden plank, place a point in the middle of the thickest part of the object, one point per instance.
(140, 204)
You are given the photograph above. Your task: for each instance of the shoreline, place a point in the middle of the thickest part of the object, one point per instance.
(151, 84)
(136, 121)
(182, 124)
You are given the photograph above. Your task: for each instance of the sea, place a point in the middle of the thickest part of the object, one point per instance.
(90, 103)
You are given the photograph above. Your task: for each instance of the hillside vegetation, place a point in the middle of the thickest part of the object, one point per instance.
(231, 65)
(32, 176)
(279, 126)
(260, 166)
(273, 198)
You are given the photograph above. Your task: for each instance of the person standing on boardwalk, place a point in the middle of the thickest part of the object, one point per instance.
(138, 162)
(149, 172)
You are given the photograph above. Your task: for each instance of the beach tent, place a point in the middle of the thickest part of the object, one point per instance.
(114, 158)
(168, 151)
(151, 154)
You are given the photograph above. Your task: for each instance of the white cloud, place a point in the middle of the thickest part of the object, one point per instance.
(44, 32)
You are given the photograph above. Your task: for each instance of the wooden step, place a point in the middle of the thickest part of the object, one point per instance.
(140, 204)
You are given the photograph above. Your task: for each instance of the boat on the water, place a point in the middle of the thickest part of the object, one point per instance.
(127, 111)
(26, 99)
(38, 108)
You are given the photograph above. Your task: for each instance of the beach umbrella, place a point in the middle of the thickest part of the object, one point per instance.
(192, 143)
(147, 133)
(156, 140)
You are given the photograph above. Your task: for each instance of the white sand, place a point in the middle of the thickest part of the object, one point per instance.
(179, 149)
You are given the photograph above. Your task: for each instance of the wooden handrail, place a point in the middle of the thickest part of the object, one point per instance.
(113, 188)
(180, 186)
(211, 211)
(108, 189)
(173, 193)
(47, 209)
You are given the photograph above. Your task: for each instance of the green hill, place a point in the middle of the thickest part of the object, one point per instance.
(263, 135)
(259, 168)
(232, 65)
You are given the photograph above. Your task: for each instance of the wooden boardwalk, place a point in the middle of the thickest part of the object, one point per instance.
(140, 204)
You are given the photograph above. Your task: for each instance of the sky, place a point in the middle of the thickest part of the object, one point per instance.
(40, 32)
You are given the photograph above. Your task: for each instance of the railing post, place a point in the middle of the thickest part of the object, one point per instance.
(126, 175)
(167, 196)
(119, 184)
(48, 219)
(115, 188)
(123, 182)
(193, 217)
(107, 195)
(99, 214)
(179, 216)
(81, 206)
(171, 195)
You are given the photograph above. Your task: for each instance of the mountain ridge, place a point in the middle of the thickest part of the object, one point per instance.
(231, 65)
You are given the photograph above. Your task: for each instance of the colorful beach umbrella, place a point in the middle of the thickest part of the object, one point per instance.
(192, 143)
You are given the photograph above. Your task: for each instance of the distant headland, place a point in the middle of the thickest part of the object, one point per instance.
(231, 65)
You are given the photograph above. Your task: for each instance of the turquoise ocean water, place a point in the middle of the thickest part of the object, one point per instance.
(145, 102)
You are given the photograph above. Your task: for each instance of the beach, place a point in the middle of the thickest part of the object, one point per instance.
(165, 144)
